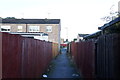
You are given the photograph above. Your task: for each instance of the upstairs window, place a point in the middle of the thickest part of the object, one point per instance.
(34, 28)
(5, 28)
(48, 28)
(20, 28)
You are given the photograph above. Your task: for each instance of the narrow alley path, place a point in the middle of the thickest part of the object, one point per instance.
(62, 67)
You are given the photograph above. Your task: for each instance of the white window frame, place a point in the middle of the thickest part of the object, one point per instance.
(20, 28)
(48, 28)
(8, 28)
(34, 28)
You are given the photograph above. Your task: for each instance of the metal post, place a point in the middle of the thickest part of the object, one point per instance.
(26, 28)
(66, 32)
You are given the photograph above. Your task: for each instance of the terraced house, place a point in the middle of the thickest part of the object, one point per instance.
(52, 27)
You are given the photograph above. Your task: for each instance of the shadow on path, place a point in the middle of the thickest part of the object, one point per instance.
(62, 67)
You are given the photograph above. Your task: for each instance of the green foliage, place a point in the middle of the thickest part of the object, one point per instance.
(75, 39)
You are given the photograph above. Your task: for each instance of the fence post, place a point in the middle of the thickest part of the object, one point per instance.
(0, 56)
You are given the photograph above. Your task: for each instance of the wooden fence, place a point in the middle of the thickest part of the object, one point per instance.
(83, 54)
(23, 57)
(98, 59)
(55, 49)
(108, 56)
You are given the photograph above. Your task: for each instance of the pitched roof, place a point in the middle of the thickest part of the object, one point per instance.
(82, 35)
(31, 21)
(94, 35)
(110, 23)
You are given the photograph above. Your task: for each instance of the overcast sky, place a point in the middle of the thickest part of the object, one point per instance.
(79, 16)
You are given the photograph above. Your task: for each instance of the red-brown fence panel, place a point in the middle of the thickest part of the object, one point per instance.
(108, 56)
(98, 59)
(11, 56)
(24, 57)
(83, 54)
(0, 56)
(37, 55)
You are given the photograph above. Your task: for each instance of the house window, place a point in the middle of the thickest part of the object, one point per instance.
(5, 28)
(49, 28)
(34, 28)
(20, 28)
